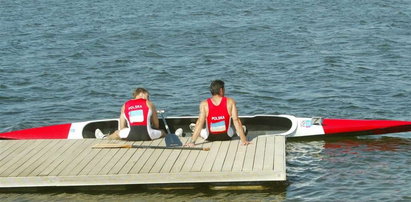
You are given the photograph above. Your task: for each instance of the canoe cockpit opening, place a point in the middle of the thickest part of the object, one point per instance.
(107, 127)
(260, 125)
(256, 125)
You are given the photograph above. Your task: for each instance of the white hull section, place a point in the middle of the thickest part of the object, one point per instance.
(307, 127)
(76, 129)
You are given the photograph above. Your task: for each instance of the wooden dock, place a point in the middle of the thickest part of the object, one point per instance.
(44, 163)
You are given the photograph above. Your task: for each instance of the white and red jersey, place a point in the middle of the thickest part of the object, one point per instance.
(136, 112)
(218, 119)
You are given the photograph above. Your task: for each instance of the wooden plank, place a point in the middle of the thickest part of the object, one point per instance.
(93, 164)
(192, 156)
(7, 144)
(125, 160)
(144, 158)
(249, 155)
(152, 178)
(82, 161)
(158, 165)
(171, 160)
(269, 153)
(104, 161)
(232, 152)
(211, 157)
(28, 159)
(188, 164)
(182, 158)
(202, 156)
(7, 147)
(154, 157)
(259, 154)
(45, 163)
(279, 154)
(239, 158)
(70, 158)
(222, 153)
(113, 159)
(37, 159)
(63, 153)
(24, 150)
(134, 159)
(227, 160)
(19, 147)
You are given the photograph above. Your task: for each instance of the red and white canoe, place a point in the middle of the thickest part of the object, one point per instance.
(286, 125)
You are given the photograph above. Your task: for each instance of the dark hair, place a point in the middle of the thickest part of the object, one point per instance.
(215, 87)
(137, 91)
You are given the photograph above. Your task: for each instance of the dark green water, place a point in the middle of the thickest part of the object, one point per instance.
(79, 60)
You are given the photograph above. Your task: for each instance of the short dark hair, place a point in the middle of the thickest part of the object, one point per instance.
(215, 87)
(137, 91)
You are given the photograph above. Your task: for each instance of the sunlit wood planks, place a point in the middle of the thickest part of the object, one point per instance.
(41, 163)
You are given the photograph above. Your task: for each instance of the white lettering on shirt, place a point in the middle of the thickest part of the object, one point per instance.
(135, 107)
(216, 118)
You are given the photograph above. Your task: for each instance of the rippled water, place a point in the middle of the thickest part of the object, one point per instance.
(79, 60)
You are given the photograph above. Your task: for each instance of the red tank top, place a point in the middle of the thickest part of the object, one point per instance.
(218, 119)
(136, 112)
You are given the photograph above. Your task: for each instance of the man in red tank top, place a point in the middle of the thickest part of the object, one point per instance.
(218, 112)
(138, 118)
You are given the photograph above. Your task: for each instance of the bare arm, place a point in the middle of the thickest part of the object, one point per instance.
(154, 115)
(237, 122)
(123, 122)
(199, 124)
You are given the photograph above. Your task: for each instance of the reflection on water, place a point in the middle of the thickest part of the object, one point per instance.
(338, 168)
(369, 144)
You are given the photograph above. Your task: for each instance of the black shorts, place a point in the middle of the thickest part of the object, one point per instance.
(138, 133)
(218, 137)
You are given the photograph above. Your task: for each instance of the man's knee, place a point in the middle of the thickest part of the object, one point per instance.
(114, 136)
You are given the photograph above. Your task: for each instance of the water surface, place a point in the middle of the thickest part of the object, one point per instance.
(80, 60)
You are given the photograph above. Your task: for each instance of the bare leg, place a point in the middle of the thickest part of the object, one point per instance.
(163, 134)
(114, 136)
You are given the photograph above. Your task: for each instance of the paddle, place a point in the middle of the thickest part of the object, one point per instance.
(171, 139)
(111, 146)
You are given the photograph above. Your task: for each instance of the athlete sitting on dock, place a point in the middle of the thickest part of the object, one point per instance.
(137, 118)
(218, 112)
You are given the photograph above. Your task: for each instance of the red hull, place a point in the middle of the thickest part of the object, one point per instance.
(364, 127)
(60, 131)
(328, 127)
